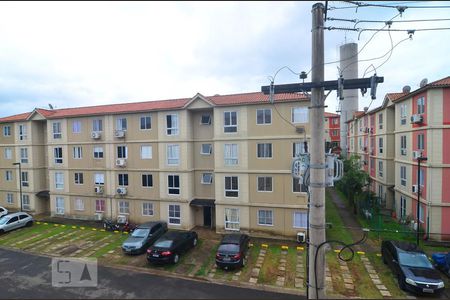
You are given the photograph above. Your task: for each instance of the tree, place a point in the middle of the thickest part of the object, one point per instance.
(353, 181)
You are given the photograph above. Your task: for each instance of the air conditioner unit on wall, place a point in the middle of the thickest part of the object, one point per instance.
(98, 190)
(301, 237)
(415, 188)
(96, 135)
(416, 119)
(121, 162)
(417, 154)
(119, 133)
(122, 190)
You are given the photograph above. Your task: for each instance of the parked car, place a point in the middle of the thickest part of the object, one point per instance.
(3, 211)
(232, 251)
(410, 264)
(143, 237)
(14, 221)
(169, 247)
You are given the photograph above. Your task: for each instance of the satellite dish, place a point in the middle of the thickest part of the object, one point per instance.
(366, 109)
(406, 89)
(423, 82)
(51, 106)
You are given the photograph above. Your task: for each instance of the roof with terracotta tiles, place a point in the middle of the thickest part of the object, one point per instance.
(395, 96)
(219, 100)
(440, 83)
(331, 115)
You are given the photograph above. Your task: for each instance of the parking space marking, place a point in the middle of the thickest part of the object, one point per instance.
(374, 277)
(299, 271)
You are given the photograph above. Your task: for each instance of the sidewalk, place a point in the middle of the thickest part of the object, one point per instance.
(349, 220)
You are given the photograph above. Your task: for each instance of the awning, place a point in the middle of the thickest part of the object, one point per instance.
(203, 202)
(43, 194)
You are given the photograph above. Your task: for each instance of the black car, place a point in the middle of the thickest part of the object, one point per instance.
(232, 250)
(410, 264)
(169, 247)
(143, 237)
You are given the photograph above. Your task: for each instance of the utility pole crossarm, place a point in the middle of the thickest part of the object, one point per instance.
(349, 84)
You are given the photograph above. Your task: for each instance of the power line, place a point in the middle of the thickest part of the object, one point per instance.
(362, 4)
(378, 30)
(356, 21)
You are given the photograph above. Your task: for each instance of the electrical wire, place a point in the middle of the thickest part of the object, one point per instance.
(379, 21)
(345, 246)
(361, 4)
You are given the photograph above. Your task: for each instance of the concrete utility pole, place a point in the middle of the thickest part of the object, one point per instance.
(317, 166)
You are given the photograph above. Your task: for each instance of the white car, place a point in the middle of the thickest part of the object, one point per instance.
(3, 211)
(14, 221)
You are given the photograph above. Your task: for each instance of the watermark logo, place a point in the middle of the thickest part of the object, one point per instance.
(74, 272)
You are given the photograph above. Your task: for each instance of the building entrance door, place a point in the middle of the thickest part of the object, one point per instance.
(207, 216)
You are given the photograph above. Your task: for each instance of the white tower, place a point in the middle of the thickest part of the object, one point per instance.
(349, 68)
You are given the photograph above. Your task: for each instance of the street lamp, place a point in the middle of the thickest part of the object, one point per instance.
(419, 159)
(20, 182)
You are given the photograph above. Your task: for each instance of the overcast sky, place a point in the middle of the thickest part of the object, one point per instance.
(89, 53)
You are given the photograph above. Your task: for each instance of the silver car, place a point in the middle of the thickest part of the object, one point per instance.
(3, 211)
(143, 237)
(14, 221)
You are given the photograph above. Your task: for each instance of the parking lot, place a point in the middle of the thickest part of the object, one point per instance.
(270, 264)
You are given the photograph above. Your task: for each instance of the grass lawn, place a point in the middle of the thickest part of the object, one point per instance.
(336, 232)
(269, 269)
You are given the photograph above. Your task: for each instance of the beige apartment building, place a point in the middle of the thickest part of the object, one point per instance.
(220, 161)
(408, 126)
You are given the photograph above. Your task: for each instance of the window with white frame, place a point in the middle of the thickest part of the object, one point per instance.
(99, 179)
(121, 123)
(56, 130)
(402, 207)
(380, 121)
(60, 205)
(206, 149)
(380, 145)
(207, 178)
(9, 198)
(79, 204)
(231, 186)
(6, 130)
(99, 205)
(59, 180)
(421, 177)
(299, 148)
(421, 105)
(24, 178)
(232, 219)
(124, 207)
(206, 119)
(23, 132)
(264, 184)
(78, 178)
(172, 124)
(122, 151)
(264, 116)
(420, 141)
(173, 184)
(58, 155)
(76, 126)
(123, 179)
(380, 168)
(98, 152)
(8, 153)
(97, 125)
(77, 152)
(24, 155)
(300, 219)
(231, 154)
(173, 154)
(146, 122)
(147, 209)
(402, 114)
(300, 115)
(8, 176)
(264, 150)
(403, 145)
(230, 121)
(146, 152)
(403, 175)
(174, 214)
(26, 205)
(265, 217)
(147, 180)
